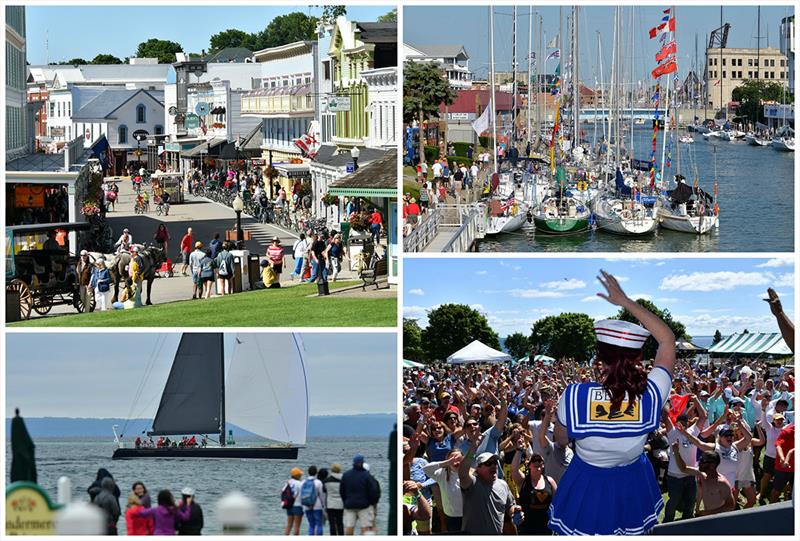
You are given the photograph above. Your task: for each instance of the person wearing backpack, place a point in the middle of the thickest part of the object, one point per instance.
(312, 496)
(290, 500)
(224, 270)
(333, 500)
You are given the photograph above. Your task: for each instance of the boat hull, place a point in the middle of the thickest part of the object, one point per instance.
(634, 227)
(505, 224)
(269, 453)
(782, 145)
(560, 225)
(687, 224)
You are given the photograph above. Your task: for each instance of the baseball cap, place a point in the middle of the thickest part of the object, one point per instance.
(736, 400)
(620, 333)
(443, 395)
(703, 393)
(358, 459)
(483, 458)
(187, 491)
(726, 430)
(84, 252)
(776, 416)
(296, 472)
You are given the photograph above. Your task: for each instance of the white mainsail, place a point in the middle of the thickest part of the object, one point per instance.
(266, 388)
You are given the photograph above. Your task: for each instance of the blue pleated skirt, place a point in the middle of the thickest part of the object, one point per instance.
(623, 500)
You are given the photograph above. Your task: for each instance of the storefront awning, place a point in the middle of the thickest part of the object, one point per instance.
(376, 179)
(203, 148)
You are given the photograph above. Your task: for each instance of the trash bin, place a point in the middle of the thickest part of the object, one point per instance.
(345, 229)
(12, 306)
(254, 269)
(241, 279)
(237, 274)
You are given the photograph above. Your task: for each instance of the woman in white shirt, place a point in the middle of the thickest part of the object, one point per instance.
(446, 475)
(609, 487)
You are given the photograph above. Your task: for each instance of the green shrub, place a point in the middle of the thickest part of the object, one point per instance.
(461, 148)
(431, 153)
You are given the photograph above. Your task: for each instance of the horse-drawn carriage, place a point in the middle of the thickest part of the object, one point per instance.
(40, 270)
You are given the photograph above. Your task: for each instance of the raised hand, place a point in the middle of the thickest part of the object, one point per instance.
(774, 302)
(614, 293)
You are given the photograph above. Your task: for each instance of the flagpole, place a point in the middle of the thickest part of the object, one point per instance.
(492, 102)
(514, 79)
(666, 110)
(530, 52)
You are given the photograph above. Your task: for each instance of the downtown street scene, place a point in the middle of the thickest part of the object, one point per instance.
(187, 168)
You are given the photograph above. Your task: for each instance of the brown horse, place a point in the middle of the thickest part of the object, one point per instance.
(118, 264)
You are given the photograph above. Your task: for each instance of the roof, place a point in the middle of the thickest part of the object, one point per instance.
(752, 344)
(478, 352)
(231, 54)
(108, 101)
(40, 162)
(442, 51)
(378, 178)
(326, 155)
(466, 101)
(378, 32)
(288, 50)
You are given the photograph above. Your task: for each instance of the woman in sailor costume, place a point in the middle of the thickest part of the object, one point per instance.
(609, 487)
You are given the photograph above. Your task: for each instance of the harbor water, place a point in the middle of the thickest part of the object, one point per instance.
(756, 199)
(261, 480)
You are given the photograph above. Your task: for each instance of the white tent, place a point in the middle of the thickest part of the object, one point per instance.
(752, 344)
(478, 352)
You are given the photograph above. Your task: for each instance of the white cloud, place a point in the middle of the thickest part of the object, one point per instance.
(564, 285)
(482, 272)
(661, 263)
(535, 294)
(785, 280)
(710, 311)
(666, 299)
(778, 262)
(591, 298)
(516, 268)
(416, 312)
(714, 281)
(418, 292)
(478, 307)
(705, 324)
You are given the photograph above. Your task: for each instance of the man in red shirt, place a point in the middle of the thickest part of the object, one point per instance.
(375, 220)
(784, 462)
(444, 406)
(187, 242)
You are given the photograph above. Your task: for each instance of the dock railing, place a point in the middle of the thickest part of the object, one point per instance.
(424, 233)
(473, 227)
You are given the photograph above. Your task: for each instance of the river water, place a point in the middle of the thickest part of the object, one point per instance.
(756, 199)
(261, 480)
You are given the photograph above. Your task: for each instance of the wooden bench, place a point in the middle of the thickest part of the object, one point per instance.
(370, 274)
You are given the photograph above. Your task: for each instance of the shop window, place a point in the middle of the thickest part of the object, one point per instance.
(158, 129)
(122, 135)
(141, 114)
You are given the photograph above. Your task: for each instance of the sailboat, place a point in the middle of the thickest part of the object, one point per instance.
(265, 393)
(689, 210)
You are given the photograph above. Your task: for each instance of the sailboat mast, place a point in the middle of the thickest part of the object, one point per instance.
(630, 92)
(530, 58)
(492, 102)
(758, 44)
(667, 109)
(694, 84)
(576, 96)
(720, 67)
(222, 429)
(514, 78)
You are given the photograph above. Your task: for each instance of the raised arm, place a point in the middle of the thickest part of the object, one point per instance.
(784, 323)
(516, 475)
(465, 479)
(665, 356)
(676, 446)
(702, 445)
(713, 426)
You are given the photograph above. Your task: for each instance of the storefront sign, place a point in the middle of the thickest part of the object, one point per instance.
(140, 135)
(201, 108)
(258, 162)
(460, 116)
(192, 121)
(29, 510)
(29, 197)
(338, 104)
(350, 168)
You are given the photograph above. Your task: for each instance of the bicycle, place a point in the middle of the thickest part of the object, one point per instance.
(162, 208)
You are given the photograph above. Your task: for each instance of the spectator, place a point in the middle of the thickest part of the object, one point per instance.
(358, 495)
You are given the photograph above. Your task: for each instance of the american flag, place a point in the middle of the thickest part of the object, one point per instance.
(508, 204)
(554, 54)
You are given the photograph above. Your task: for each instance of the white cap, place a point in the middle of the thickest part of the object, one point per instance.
(84, 252)
(187, 491)
(486, 457)
(620, 333)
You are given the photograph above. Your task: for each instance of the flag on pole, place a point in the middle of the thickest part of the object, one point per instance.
(666, 26)
(554, 54)
(666, 50)
(717, 83)
(670, 66)
(481, 124)
(553, 43)
(102, 150)
(667, 11)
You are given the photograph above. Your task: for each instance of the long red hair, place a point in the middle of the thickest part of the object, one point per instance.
(623, 371)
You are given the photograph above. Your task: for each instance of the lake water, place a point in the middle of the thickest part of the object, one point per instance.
(756, 199)
(261, 480)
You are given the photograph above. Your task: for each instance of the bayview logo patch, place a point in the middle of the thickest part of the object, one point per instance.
(600, 409)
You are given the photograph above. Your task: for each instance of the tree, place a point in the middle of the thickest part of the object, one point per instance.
(717, 337)
(283, 29)
(517, 345)
(563, 336)
(331, 12)
(231, 38)
(650, 346)
(453, 326)
(753, 93)
(425, 87)
(390, 17)
(162, 49)
(106, 59)
(412, 341)
(74, 62)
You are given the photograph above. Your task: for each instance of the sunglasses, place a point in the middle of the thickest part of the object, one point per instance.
(470, 425)
(490, 463)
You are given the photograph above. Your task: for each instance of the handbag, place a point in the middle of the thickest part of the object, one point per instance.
(103, 287)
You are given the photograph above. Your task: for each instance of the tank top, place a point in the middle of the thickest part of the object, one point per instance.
(535, 503)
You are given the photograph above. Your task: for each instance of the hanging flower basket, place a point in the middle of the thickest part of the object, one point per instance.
(90, 208)
(359, 222)
(330, 199)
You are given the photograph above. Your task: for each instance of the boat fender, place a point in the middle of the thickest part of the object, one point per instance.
(529, 216)
(716, 209)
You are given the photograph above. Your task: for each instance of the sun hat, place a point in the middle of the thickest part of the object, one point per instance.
(620, 333)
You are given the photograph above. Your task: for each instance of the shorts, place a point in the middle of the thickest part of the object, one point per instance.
(296, 511)
(769, 465)
(185, 258)
(278, 268)
(745, 484)
(361, 517)
(206, 279)
(780, 480)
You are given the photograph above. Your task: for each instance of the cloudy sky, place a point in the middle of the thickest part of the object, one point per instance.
(97, 375)
(703, 294)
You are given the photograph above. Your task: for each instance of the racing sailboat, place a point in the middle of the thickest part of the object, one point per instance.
(265, 393)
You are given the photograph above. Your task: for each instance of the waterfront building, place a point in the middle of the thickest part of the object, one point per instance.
(454, 61)
(19, 117)
(729, 68)
(457, 118)
(787, 46)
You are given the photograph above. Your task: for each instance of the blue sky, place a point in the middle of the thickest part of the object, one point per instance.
(85, 31)
(468, 26)
(704, 294)
(97, 375)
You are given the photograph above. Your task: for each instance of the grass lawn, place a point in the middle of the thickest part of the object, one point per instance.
(287, 307)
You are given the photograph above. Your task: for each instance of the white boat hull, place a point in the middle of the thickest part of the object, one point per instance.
(686, 224)
(640, 221)
(783, 144)
(756, 141)
(507, 224)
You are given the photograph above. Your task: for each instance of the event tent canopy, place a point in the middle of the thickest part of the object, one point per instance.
(411, 364)
(752, 344)
(685, 345)
(544, 358)
(478, 352)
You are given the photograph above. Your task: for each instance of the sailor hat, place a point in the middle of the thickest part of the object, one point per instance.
(620, 333)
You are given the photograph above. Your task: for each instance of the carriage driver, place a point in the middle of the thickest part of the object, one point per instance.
(125, 241)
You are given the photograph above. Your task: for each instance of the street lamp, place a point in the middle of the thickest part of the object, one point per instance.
(238, 207)
(355, 153)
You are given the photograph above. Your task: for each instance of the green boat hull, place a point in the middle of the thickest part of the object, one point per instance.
(561, 225)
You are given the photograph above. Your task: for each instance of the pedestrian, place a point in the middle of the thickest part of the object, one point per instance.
(445, 473)
(186, 247)
(614, 470)
(298, 252)
(424, 198)
(275, 256)
(225, 264)
(291, 502)
(375, 221)
(335, 255)
(206, 273)
(215, 245)
(536, 490)
(134, 524)
(487, 500)
(107, 499)
(784, 462)
(162, 239)
(94, 488)
(413, 212)
(681, 487)
(194, 524)
(194, 264)
(135, 270)
(333, 500)
(166, 515)
(312, 497)
(358, 493)
(85, 270)
(140, 490)
(317, 257)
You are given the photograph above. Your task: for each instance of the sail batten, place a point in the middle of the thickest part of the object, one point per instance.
(190, 403)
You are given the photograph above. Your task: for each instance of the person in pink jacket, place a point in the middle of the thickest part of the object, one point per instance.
(167, 514)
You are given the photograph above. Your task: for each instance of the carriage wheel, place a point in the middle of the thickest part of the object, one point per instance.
(43, 304)
(78, 303)
(25, 298)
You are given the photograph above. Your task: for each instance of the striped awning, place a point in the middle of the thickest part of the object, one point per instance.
(752, 344)
(412, 364)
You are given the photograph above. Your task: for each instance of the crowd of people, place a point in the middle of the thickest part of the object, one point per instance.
(347, 500)
(167, 517)
(597, 446)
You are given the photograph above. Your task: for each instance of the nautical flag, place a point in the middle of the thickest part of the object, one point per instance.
(666, 26)
(717, 83)
(655, 96)
(554, 54)
(508, 203)
(481, 124)
(670, 66)
(102, 150)
(666, 50)
(667, 11)
(553, 42)
(677, 405)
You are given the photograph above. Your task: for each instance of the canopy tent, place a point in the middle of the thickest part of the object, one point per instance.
(752, 344)
(411, 364)
(478, 352)
(685, 345)
(543, 358)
